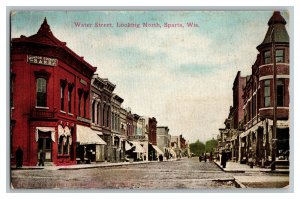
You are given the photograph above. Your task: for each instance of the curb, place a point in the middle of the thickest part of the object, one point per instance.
(277, 172)
(219, 166)
(239, 184)
(232, 171)
(30, 168)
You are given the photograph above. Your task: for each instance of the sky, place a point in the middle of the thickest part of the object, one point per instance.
(182, 76)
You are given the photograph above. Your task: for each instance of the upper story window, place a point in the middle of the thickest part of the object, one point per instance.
(267, 57)
(70, 99)
(280, 92)
(41, 92)
(12, 81)
(103, 115)
(254, 106)
(267, 93)
(85, 104)
(107, 116)
(280, 56)
(93, 111)
(98, 113)
(62, 97)
(79, 102)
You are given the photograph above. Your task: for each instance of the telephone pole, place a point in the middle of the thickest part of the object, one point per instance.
(274, 132)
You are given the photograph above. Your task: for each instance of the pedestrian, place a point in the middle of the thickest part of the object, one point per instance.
(160, 157)
(223, 159)
(200, 158)
(19, 157)
(205, 157)
(42, 158)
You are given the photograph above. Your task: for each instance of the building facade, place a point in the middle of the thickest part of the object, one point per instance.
(164, 140)
(57, 83)
(254, 134)
(118, 138)
(259, 97)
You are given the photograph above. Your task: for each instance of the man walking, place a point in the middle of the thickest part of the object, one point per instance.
(42, 158)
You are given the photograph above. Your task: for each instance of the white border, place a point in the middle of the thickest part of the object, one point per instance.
(4, 55)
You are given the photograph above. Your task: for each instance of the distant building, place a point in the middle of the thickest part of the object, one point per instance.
(118, 138)
(163, 140)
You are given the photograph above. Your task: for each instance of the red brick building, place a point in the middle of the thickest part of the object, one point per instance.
(237, 108)
(50, 97)
(256, 141)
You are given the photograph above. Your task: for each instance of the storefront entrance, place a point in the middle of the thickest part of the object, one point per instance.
(45, 144)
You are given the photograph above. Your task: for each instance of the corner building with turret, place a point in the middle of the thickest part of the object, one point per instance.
(257, 141)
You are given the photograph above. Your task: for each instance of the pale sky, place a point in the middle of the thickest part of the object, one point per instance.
(181, 76)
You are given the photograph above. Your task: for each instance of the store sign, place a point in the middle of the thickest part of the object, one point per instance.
(138, 137)
(33, 59)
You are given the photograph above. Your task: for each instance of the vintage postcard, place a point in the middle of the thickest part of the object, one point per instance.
(150, 100)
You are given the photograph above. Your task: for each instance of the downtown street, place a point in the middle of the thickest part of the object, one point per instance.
(187, 173)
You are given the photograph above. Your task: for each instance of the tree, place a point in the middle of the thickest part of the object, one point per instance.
(197, 148)
(210, 145)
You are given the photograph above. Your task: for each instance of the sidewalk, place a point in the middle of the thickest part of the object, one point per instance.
(235, 167)
(256, 179)
(85, 166)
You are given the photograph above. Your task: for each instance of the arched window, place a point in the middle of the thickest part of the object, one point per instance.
(41, 92)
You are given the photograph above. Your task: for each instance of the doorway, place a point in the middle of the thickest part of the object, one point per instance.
(45, 144)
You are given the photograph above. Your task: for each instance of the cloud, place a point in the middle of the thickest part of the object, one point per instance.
(181, 76)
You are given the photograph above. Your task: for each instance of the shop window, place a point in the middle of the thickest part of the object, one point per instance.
(60, 145)
(64, 145)
(267, 93)
(280, 56)
(280, 92)
(267, 57)
(41, 92)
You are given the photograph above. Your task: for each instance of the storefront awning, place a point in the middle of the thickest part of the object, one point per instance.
(245, 133)
(173, 152)
(157, 149)
(138, 147)
(127, 146)
(86, 135)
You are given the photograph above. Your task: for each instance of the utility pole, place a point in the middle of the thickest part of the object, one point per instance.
(274, 132)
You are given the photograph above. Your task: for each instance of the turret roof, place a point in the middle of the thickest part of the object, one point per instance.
(278, 23)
